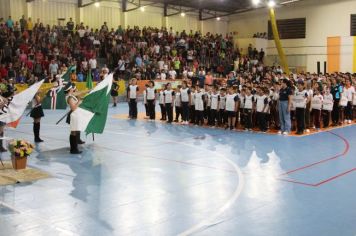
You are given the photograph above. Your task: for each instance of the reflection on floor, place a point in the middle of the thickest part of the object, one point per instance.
(150, 178)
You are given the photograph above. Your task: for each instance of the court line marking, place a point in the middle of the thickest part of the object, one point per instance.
(209, 221)
(344, 152)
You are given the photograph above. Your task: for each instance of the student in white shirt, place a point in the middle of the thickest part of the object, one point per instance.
(199, 97)
(300, 100)
(231, 107)
(185, 99)
(192, 105)
(151, 100)
(215, 100)
(169, 96)
(222, 119)
(178, 103)
(349, 92)
(316, 105)
(161, 103)
(328, 103)
(145, 101)
(132, 90)
(249, 106)
(262, 109)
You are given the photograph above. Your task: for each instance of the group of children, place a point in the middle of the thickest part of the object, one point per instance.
(242, 106)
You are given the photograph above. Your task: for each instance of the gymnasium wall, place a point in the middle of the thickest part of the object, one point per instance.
(324, 19)
(48, 11)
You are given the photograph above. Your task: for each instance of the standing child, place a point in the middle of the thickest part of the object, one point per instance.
(192, 105)
(316, 105)
(178, 103)
(185, 99)
(328, 103)
(231, 107)
(151, 100)
(145, 101)
(199, 97)
(215, 100)
(300, 100)
(132, 90)
(37, 114)
(222, 104)
(349, 91)
(262, 102)
(114, 92)
(169, 96)
(161, 103)
(207, 104)
(249, 101)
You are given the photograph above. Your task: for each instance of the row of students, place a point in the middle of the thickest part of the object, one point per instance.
(247, 107)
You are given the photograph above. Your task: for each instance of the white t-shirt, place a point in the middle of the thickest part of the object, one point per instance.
(231, 100)
(349, 92)
(161, 97)
(222, 103)
(151, 92)
(92, 63)
(184, 94)
(133, 91)
(199, 101)
(317, 102)
(178, 101)
(261, 102)
(328, 102)
(172, 74)
(168, 96)
(248, 101)
(215, 98)
(300, 99)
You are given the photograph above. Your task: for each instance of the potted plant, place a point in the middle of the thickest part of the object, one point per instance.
(20, 150)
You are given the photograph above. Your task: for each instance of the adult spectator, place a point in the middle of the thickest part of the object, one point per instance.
(285, 102)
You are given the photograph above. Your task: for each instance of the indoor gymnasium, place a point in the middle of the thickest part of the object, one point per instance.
(178, 117)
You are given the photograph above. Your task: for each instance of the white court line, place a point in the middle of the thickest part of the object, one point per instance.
(211, 219)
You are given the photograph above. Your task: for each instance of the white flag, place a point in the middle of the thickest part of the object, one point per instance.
(17, 104)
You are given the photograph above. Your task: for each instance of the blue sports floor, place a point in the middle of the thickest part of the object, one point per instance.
(149, 178)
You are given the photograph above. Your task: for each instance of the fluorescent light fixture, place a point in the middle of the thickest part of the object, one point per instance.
(142, 9)
(288, 2)
(271, 4)
(97, 4)
(182, 14)
(256, 2)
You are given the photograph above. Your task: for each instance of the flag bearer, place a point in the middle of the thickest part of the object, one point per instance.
(37, 114)
(72, 118)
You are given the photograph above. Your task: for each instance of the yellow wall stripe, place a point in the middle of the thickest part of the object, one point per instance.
(333, 47)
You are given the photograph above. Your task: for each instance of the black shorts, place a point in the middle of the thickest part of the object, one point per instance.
(114, 93)
(231, 114)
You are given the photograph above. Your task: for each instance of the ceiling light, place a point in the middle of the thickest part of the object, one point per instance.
(256, 2)
(97, 4)
(142, 9)
(218, 18)
(271, 4)
(182, 14)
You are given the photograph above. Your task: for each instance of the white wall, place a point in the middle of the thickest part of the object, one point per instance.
(5, 9)
(50, 10)
(323, 19)
(96, 16)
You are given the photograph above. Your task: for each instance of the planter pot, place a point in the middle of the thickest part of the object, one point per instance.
(19, 163)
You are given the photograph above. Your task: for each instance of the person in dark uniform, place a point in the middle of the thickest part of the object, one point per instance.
(114, 92)
(37, 114)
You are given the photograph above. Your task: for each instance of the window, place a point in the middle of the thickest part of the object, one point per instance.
(289, 28)
(353, 25)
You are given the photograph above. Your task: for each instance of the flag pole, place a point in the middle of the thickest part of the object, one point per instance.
(62, 118)
(93, 136)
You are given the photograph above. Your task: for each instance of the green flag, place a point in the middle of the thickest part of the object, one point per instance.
(93, 111)
(55, 99)
(66, 75)
(89, 84)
